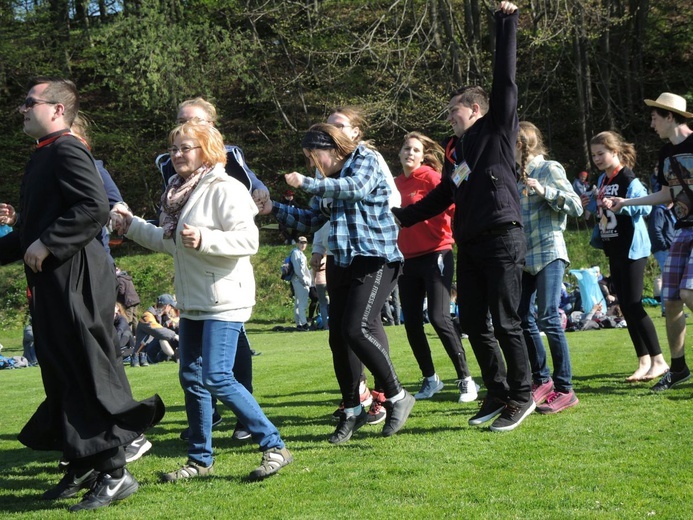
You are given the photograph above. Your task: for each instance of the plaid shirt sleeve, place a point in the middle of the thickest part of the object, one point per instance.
(302, 220)
(559, 194)
(361, 223)
(356, 181)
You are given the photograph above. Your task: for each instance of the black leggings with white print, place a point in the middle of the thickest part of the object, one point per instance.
(357, 293)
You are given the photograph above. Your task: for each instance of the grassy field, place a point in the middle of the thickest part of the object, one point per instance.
(621, 453)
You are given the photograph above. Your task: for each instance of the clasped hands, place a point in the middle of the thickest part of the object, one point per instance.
(121, 219)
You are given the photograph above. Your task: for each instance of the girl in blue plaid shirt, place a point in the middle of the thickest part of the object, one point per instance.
(353, 195)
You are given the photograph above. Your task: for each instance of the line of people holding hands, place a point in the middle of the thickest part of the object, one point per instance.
(490, 189)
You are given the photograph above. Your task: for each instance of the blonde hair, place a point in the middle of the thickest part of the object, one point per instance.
(342, 145)
(80, 127)
(209, 138)
(615, 143)
(432, 152)
(531, 143)
(202, 103)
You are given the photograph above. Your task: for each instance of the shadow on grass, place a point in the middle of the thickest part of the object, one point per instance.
(615, 384)
(26, 504)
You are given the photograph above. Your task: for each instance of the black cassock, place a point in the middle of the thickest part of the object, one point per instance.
(89, 406)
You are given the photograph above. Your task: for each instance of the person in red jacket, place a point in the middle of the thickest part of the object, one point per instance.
(428, 269)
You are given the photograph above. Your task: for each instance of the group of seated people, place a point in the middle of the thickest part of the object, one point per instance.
(156, 336)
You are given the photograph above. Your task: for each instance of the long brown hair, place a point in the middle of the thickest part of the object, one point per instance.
(433, 153)
(615, 143)
(338, 141)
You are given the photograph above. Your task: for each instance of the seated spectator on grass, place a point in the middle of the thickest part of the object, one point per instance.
(596, 319)
(157, 333)
(127, 295)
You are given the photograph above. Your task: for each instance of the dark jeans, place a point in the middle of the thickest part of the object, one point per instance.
(489, 279)
(422, 278)
(627, 276)
(357, 293)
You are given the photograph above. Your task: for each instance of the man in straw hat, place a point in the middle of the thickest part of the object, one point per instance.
(675, 175)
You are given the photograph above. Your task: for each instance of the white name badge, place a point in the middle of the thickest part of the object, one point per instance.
(461, 173)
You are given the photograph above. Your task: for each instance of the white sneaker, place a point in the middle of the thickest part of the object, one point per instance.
(469, 390)
(429, 388)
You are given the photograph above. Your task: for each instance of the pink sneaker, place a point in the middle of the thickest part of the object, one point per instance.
(558, 401)
(542, 391)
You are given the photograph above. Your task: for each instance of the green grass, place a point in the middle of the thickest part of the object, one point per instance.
(621, 453)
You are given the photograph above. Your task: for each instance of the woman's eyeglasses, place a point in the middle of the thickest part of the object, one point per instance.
(183, 149)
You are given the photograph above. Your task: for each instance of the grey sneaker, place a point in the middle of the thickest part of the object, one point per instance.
(429, 388)
(397, 414)
(240, 433)
(273, 460)
(347, 426)
(191, 469)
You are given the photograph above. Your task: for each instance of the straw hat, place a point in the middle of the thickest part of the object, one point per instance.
(671, 102)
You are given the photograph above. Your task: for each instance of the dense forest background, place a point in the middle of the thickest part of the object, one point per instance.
(273, 67)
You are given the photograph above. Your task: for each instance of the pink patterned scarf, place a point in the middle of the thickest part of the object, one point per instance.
(176, 196)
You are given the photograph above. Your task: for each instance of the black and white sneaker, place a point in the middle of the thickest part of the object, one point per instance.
(490, 408)
(137, 448)
(671, 379)
(512, 415)
(70, 485)
(107, 489)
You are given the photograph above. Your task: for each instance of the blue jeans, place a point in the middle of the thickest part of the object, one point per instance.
(545, 287)
(207, 357)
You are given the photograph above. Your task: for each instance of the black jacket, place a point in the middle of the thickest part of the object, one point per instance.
(89, 407)
(489, 197)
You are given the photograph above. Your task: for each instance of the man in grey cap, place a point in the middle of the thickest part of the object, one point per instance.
(669, 118)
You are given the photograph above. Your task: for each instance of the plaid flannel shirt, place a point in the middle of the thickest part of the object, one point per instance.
(361, 223)
(544, 218)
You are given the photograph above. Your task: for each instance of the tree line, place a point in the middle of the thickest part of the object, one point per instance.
(273, 67)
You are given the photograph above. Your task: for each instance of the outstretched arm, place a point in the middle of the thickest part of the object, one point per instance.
(616, 203)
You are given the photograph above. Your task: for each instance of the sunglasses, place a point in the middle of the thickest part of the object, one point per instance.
(31, 102)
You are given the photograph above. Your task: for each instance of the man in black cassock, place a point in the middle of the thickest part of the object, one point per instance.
(89, 413)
